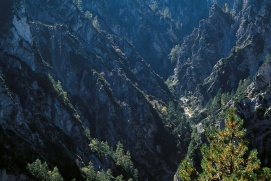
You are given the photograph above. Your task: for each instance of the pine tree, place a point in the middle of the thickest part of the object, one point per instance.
(41, 171)
(38, 169)
(225, 157)
(89, 172)
(54, 175)
(187, 171)
(104, 176)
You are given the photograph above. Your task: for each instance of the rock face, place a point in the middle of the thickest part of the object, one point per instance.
(210, 54)
(61, 74)
(226, 50)
(152, 27)
(256, 112)
(69, 66)
(202, 49)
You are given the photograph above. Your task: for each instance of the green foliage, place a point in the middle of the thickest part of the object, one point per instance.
(124, 160)
(214, 104)
(119, 156)
(59, 89)
(119, 178)
(41, 171)
(54, 175)
(225, 98)
(91, 175)
(89, 172)
(224, 158)
(63, 95)
(242, 87)
(171, 111)
(171, 82)
(104, 176)
(181, 128)
(100, 146)
(175, 53)
(221, 99)
(187, 170)
(87, 133)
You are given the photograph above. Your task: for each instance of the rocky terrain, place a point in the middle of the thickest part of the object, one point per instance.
(223, 63)
(60, 75)
(76, 69)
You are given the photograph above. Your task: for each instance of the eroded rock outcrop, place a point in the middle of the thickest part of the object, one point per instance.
(62, 74)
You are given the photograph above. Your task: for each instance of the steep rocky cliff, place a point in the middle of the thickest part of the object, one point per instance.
(75, 69)
(223, 63)
(62, 74)
(227, 47)
(152, 27)
(256, 111)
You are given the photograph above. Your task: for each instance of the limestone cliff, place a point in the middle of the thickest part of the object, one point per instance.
(71, 67)
(61, 74)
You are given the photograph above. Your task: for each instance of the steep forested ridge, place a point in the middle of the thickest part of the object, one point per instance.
(147, 75)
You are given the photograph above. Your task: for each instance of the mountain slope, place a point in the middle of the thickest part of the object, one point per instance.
(61, 75)
(223, 63)
(73, 69)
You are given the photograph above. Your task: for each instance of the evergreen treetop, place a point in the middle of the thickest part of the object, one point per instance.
(226, 156)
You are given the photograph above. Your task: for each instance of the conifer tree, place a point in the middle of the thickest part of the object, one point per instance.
(41, 171)
(187, 171)
(89, 172)
(54, 175)
(226, 156)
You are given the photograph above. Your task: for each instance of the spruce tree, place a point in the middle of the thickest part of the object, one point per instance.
(89, 172)
(41, 171)
(226, 156)
(187, 171)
